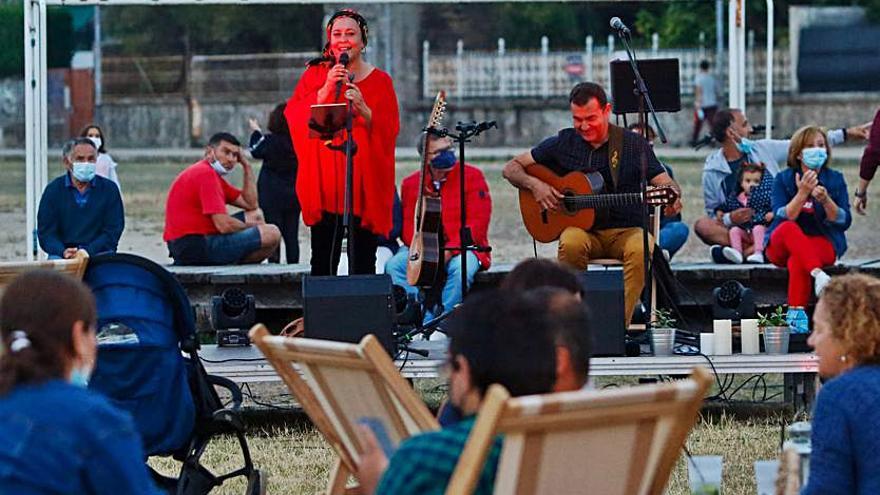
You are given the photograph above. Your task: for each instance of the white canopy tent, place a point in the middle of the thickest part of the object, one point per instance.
(36, 112)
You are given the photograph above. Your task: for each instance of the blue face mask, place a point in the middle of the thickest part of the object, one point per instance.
(746, 145)
(814, 158)
(83, 171)
(80, 377)
(444, 160)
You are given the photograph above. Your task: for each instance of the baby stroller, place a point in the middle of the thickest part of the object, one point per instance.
(148, 365)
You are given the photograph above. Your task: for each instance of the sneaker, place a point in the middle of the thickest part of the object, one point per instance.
(756, 258)
(666, 255)
(822, 280)
(716, 252)
(797, 320)
(732, 255)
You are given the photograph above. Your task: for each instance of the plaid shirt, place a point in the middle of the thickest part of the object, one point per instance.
(424, 463)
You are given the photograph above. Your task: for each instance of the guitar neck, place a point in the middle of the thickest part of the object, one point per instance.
(581, 201)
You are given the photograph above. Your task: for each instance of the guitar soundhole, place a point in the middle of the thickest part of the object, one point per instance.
(568, 203)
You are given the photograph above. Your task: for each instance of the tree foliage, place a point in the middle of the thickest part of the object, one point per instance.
(59, 38)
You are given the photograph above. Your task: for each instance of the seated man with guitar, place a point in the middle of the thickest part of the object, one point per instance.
(592, 166)
(440, 183)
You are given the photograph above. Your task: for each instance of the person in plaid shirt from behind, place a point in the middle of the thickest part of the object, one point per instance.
(495, 337)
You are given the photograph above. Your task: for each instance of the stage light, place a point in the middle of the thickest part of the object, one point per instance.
(733, 301)
(232, 313)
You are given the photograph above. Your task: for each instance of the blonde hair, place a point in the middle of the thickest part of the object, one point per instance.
(853, 304)
(803, 138)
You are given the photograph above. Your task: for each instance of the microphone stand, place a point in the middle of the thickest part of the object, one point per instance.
(645, 106)
(466, 130)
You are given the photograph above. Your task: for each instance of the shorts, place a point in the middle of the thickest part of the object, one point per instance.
(217, 249)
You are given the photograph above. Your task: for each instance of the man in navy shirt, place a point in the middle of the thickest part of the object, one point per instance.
(585, 148)
(80, 210)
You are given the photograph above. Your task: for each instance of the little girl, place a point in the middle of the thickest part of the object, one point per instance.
(754, 189)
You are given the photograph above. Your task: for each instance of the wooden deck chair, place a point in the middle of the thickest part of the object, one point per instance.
(621, 441)
(341, 383)
(75, 267)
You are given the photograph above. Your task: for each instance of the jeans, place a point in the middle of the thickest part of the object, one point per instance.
(673, 235)
(451, 295)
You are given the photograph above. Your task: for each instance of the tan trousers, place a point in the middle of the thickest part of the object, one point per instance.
(577, 247)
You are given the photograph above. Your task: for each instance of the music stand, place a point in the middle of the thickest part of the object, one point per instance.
(327, 120)
(661, 78)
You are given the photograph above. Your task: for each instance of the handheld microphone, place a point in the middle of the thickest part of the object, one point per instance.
(343, 59)
(619, 26)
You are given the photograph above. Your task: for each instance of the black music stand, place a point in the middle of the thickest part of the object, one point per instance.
(326, 122)
(628, 84)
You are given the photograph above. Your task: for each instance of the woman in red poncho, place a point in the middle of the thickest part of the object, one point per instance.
(321, 181)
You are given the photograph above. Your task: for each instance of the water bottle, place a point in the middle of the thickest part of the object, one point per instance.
(797, 320)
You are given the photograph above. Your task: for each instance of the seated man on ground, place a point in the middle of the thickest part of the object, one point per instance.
(80, 210)
(731, 129)
(496, 337)
(198, 229)
(595, 146)
(443, 182)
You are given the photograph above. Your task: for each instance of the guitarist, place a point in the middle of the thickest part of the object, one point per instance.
(594, 145)
(443, 181)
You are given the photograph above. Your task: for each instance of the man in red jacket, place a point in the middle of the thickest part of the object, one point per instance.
(443, 180)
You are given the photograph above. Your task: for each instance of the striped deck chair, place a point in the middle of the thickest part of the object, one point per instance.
(621, 441)
(74, 267)
(337, 384)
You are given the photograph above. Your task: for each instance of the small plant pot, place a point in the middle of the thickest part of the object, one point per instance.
(776, 339)
(664, 341)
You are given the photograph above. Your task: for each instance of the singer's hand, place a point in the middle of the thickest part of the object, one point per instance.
(337, 74)
(353, 93)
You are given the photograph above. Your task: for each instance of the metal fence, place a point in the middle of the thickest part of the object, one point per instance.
(544, 74)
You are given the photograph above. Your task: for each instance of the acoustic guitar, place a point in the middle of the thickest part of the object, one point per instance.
(582, 197)
(426, 250)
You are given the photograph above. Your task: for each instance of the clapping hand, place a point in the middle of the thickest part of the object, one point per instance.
(806, 182)
(820, 194)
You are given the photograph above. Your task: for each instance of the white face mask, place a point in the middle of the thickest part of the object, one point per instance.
(97, 141)
(219, 168)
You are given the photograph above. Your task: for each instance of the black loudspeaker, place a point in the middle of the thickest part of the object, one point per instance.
(347, 308)
(603, 297)
(661, 78)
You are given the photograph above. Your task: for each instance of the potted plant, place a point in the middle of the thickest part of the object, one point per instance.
(663, 332)
(774, 329)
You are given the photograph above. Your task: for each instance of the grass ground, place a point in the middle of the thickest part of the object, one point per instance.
(296, 458)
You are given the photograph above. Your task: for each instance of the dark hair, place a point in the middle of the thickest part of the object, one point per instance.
(635, 127)
(569, 324)
(420, 142)
(720, 122)
(216, 139)
(277, 121)
(541, 272)
(743, 169)
(44, 305)
(326, 56)
(506, 340)
(584, 92)
(704, 64)
(85, 132)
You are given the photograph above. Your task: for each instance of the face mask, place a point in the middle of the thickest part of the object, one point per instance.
(746, 145)
(80, 376)
(219, 168)
(444, 160)
(814, 158)
(83, 171)
(97, 141)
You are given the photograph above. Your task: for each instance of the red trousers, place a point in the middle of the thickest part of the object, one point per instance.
(801, 253)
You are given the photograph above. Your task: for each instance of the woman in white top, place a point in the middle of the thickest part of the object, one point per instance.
(105, 166)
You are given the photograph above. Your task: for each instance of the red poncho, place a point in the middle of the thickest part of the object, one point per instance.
(320, 183)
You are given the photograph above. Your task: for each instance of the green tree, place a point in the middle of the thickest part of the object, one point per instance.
(59, 38)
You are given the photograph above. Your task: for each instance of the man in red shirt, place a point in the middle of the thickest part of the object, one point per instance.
(198, 229)
(443, 180)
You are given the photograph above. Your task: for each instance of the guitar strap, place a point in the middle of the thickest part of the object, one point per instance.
(615, 147)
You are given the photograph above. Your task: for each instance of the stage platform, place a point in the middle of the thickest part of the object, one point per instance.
(278, 288)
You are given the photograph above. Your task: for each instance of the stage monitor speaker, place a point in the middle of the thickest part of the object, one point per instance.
(603, 297)
(661, 78)
(348, 308)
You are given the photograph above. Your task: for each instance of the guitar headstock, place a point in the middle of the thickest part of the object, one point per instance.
(438, 111)
(661, 195)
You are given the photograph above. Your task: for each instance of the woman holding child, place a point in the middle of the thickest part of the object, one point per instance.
(811, 207)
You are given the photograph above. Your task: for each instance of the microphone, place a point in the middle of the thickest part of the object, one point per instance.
(343, 59)
(619, 26)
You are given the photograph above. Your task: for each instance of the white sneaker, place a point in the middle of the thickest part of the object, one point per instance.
(757, 258)
(732, 255)
(822, 280)
(666, 255)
